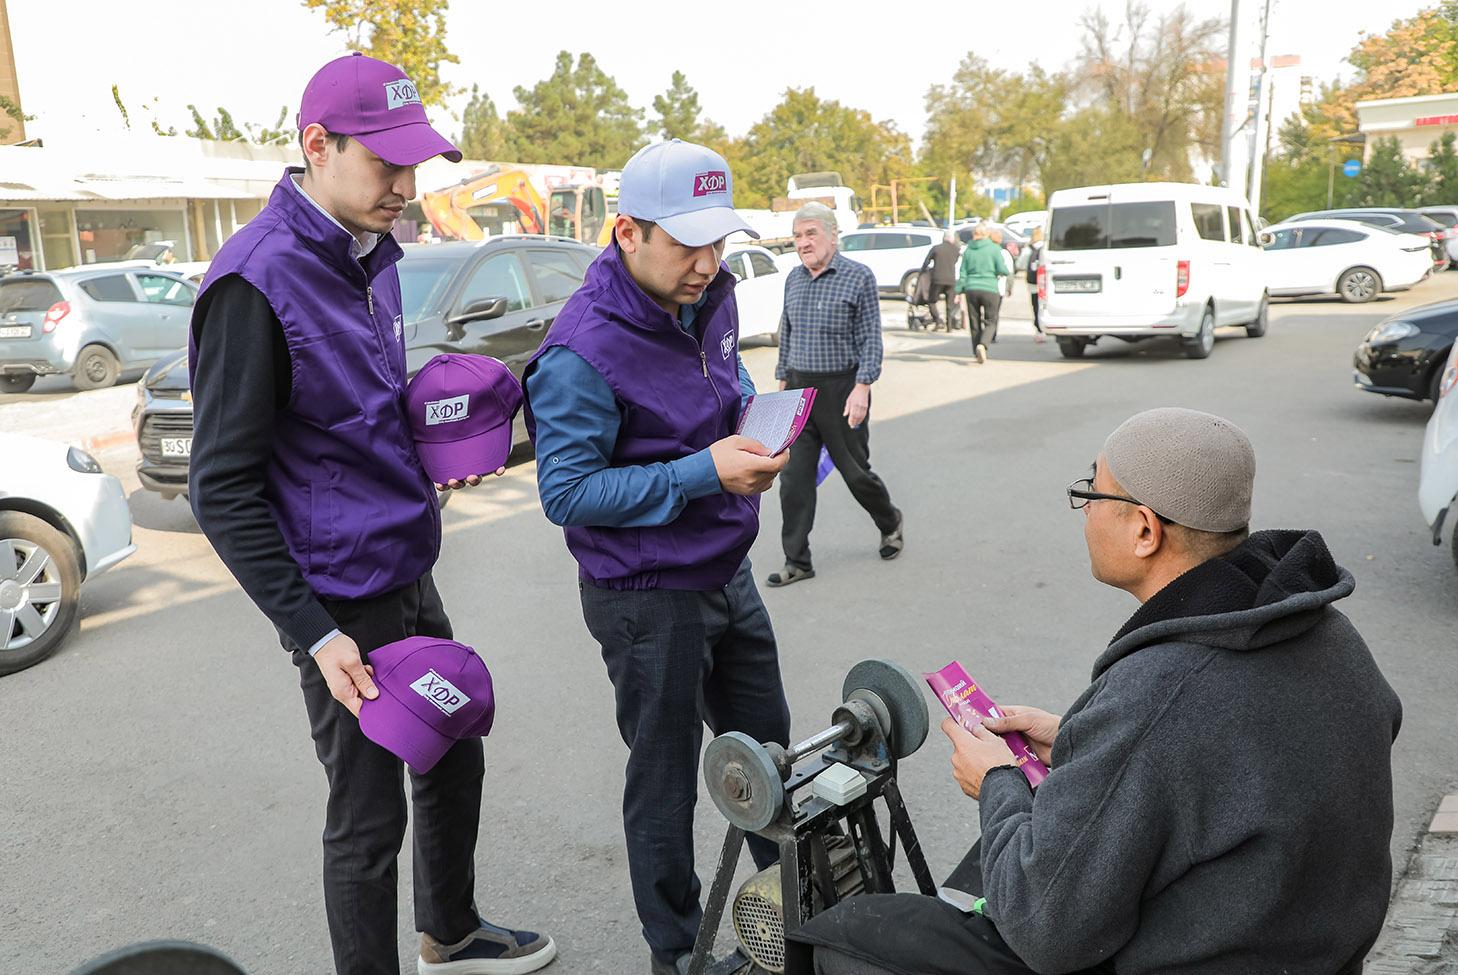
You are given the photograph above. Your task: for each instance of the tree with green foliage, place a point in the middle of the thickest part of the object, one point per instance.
(1388, 179)
(579, 116)
(11, 110)
(222, 128)
(408, 33)
(483, 131)
(1443, 169)
(805, 133)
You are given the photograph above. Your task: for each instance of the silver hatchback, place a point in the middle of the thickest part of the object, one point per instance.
(91, 323)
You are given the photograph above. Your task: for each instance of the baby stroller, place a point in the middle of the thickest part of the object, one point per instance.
(919, 302)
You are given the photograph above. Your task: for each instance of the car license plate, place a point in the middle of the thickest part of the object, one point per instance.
(14, 331)
(176, 446)
(1087, 286)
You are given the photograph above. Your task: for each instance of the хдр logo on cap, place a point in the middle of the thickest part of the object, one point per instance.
(440, 692)
(400, 93)
(712, 182)
(447, 410)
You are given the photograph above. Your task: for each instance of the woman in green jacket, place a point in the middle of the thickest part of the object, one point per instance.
(977, 280)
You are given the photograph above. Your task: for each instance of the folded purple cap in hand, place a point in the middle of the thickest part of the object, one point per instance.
(433, 693)
(461, 408)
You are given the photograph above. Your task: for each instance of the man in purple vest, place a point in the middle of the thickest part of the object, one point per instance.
(306, 481)
(632, 402)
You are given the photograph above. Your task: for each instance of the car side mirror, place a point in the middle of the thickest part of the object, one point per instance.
(480, 310)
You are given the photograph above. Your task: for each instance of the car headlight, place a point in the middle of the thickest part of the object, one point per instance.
(1393, 331)
(82, 462)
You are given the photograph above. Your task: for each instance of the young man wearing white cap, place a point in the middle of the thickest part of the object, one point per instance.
(632, 402)
(306, 480)
(1220, 797)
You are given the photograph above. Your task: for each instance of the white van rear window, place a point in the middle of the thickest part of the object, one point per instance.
(1105, 225)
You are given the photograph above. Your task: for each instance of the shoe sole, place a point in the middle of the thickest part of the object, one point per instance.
(490, 966)
(809, 574)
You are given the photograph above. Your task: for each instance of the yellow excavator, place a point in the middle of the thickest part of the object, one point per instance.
(499, 200)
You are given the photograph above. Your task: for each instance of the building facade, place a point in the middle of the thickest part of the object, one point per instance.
(1415, 122)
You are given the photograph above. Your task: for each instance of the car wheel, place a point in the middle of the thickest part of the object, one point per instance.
(908, 284)
(40, 586)
(1072, 348)
(16, 382)
(96, 368)
(1257, 328)
(1203, 342)
(1359, 284)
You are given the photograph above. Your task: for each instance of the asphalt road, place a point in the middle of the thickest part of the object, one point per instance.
(157, 780)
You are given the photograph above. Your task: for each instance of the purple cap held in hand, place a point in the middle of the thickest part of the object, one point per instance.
(433, 693)
(461, 408)
(375, 103)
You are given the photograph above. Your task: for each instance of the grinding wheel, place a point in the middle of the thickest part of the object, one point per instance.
(897, 699)
(743, 781)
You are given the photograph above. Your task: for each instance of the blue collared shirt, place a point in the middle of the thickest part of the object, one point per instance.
(831, 323)
(577, 427)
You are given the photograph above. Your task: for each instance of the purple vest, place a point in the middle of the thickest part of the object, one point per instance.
(356, 508)
(677, 395)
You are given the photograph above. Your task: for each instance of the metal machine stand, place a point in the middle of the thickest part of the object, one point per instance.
(831, 846)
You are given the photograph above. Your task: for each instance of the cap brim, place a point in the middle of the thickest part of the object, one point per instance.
(409, 145)
(457, 460)
(700, 227)
(400, 731)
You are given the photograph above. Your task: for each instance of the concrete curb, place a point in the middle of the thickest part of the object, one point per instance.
(1421, 933)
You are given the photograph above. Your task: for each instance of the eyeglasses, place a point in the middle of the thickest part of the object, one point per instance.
(1081, 492)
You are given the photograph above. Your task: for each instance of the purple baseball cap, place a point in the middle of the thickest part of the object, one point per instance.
(461, 408)
(376, 103)
(433, 693)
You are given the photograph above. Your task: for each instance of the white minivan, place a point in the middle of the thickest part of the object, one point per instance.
(1136, 260)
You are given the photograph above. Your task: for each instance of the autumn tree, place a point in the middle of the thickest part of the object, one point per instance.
(408, 33)
(579, 116)
(483, 131)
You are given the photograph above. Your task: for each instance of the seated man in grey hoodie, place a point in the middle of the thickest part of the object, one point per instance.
(1220, 799)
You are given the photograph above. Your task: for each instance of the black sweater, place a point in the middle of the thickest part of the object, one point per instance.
(240, 380)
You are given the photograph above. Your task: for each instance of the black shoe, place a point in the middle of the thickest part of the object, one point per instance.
(792, 574)
(892, 543)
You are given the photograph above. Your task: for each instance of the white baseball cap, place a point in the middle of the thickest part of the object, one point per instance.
(686, 189)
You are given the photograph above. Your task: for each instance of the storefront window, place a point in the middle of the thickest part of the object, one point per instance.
(17, 241)
(108, 235)
(57, 246)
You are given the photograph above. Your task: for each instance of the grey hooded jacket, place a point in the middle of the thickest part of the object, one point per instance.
(1221, 795)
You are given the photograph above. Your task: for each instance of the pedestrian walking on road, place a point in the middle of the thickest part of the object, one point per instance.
(1009, 261)
(941, 262)
(632, 402)
(984, 263)
(1035, 261)
(830, 339)
(306, 479)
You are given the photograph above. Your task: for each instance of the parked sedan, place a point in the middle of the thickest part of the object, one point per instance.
(894, 254)
(1447, 217)
(760, 293)
(1405, 355)
(1354, 260)
(61, 521)
(493, 297)
(92, 323)
(1438, 481)
(1393, 218)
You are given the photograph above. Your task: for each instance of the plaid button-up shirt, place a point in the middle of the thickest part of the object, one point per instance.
(831, 323)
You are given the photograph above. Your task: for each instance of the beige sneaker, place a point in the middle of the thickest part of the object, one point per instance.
(982, 353)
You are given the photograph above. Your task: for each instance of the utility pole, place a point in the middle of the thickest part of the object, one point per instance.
(1235, 95)
(1263, 118)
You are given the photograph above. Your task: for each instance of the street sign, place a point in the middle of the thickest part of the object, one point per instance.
(1351, 167)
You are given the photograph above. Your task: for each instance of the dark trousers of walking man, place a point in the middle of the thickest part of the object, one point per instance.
(850, 449)
(947, 295)
(982, 309)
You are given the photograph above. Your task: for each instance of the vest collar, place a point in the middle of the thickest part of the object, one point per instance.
(325, 237)
(633, 302)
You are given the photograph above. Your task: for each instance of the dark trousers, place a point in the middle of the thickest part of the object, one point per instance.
(364, 821)
(679, 660)
(918, 935)
(849, 449)
(947, 295)
(1033, 296)
(982, 309)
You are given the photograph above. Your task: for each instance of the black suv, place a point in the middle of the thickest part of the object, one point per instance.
(1393, 218)
(494, 297)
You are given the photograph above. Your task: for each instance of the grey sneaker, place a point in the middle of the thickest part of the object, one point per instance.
(892, 543)
(489, 950)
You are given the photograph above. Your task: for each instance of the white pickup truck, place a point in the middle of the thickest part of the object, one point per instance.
(776, 225)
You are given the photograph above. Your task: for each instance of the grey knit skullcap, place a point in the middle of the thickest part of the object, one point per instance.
(1193, 468)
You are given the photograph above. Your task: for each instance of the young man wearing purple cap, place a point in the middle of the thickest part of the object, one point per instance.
(632, 402)
(306, 480)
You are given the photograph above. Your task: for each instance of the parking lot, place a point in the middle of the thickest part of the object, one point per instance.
(158, 780)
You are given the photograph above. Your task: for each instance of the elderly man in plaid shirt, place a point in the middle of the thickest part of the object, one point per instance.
(830, 338)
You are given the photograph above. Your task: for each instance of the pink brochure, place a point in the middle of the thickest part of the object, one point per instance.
(966, 702)
(776, 419)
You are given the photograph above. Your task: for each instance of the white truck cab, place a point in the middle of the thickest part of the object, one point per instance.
(1135, 260)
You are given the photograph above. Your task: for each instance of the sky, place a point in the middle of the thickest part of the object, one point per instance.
(256, 56)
